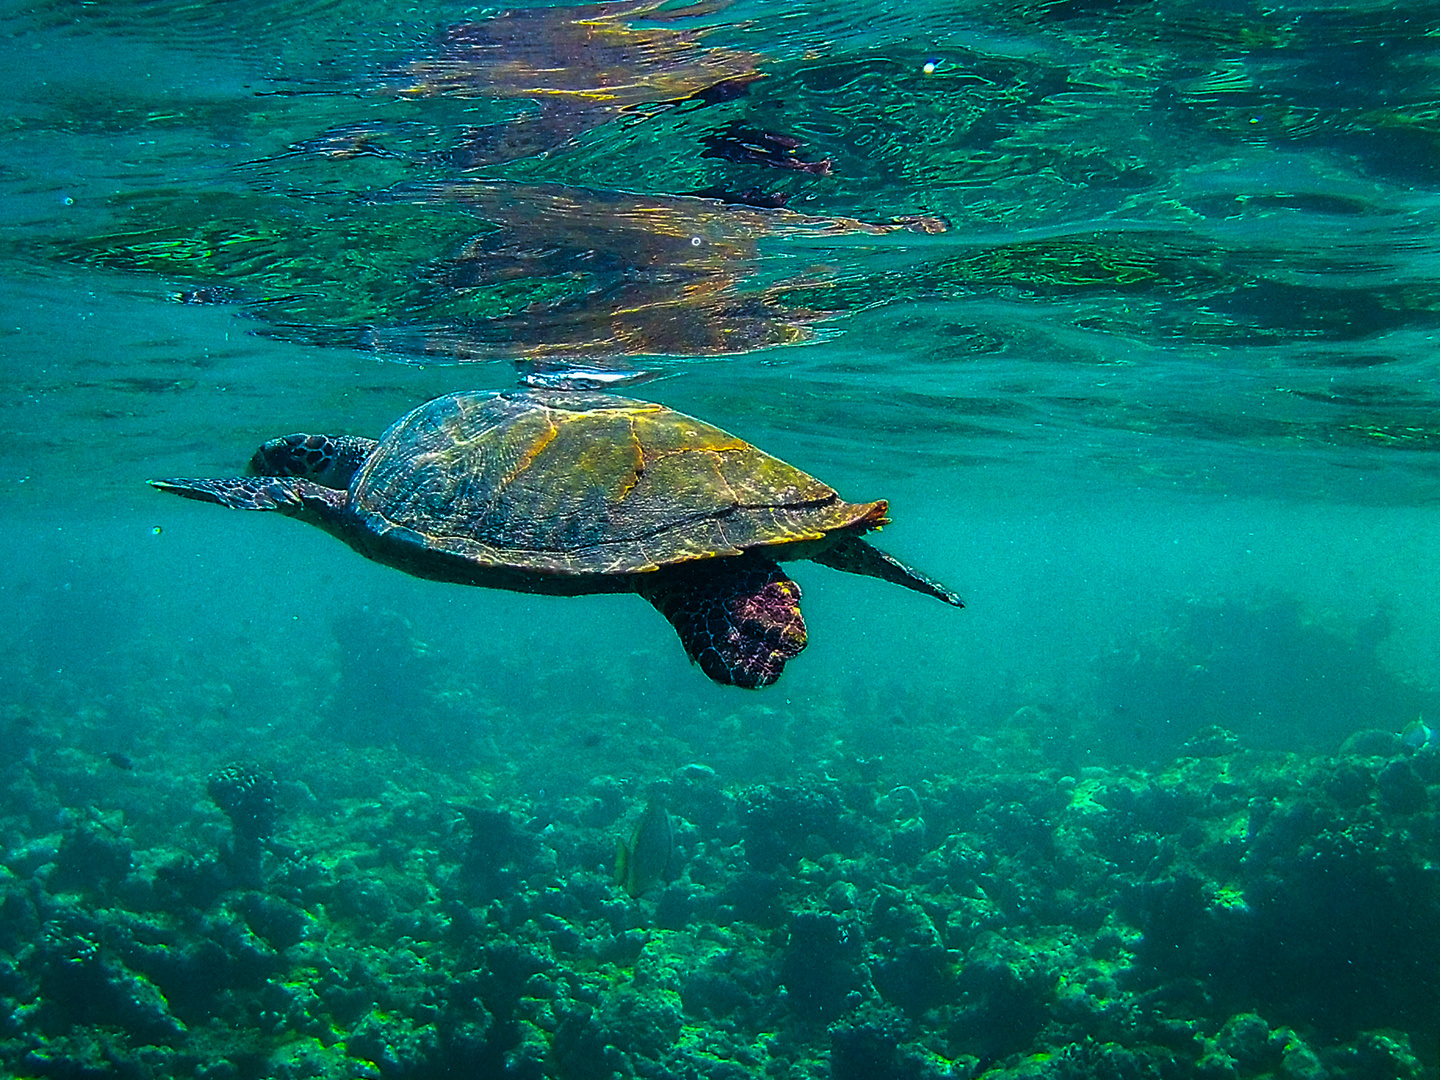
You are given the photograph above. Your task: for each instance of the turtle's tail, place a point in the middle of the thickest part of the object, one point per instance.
(738, 618)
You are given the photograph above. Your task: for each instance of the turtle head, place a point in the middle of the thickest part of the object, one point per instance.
(329, 460)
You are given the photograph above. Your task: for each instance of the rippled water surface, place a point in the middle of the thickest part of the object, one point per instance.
(1131, 308)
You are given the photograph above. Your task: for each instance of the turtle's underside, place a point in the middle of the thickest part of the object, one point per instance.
(572, 493)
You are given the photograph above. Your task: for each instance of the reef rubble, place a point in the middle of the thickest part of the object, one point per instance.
(1228, 915)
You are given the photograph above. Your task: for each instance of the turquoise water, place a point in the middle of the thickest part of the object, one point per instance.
(1129, 309)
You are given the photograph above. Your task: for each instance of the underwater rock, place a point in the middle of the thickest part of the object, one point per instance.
(26, 859)
(89, 859)
(471, 1043)
(397, 1045)
(869, 1046)
(292, 1008)
(863, 1051)
(779, 820)
(1426, 763)
(186, 884)
(1095, 1060)
(697, 795)
(911, 968)
(1350, 783)
(191, 972)
(361, 900)
(582, 1047)
(500, 978)
(677, 906)
(500, 855)
(752, 898)
(1004, 998)
(1225, 918)
(81, 982)
(1174, 914)
(605, 802)
(823, 965)
(1377, 1054)
(623, 949)
(1401, 790)
(1248, 1041)
(642, 1023)
(1299, 1062)
(279, 922)
(1307, 941)
(20, 919)
(1015, 815)
(346, 990)
(727, 983)
(13, 987)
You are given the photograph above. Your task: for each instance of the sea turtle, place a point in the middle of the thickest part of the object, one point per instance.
(568, 492)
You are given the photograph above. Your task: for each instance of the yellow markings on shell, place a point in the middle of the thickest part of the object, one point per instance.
(611, 465)
(533, 451)
(465, 445)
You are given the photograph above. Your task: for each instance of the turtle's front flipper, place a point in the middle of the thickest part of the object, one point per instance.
(738, 618)
(854, 555)
(297, 498)
(238, 493)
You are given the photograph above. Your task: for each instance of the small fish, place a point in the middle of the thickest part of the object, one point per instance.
(1417, 735)
(646, 861)
(119, 760)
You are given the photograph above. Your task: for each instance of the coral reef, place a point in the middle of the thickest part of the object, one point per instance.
(1227, 914)
(246, 793)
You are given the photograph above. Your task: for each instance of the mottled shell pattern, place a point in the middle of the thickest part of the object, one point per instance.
(578, 483)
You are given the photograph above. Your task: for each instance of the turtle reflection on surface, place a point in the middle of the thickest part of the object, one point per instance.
(581, 66)
(571, 271)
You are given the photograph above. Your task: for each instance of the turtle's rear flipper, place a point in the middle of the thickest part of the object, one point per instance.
(739, 619)
(298, 498)
(854, 555)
